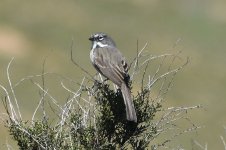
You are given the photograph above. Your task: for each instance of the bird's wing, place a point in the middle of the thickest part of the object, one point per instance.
(110, 63)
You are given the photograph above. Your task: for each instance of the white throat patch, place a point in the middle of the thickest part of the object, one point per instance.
(98, 44)
(95, 45)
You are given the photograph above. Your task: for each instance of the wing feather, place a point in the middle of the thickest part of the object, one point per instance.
(110, 63)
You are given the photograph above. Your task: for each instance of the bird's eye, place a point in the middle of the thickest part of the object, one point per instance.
(100, 38)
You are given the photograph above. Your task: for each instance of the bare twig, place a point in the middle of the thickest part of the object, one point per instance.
(135, 67)
(76, 64)
(167, 73)
(48, 94)
(142, 81)
(223, 141)
(12, 90)
(40, 102)
(42, 93)
(205, 147)
(11, 113)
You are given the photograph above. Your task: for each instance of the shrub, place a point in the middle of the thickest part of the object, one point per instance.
(93, 117)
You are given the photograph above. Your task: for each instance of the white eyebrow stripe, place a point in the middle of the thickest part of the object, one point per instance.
(96, 35)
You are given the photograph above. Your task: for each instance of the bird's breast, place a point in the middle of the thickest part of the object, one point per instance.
(92, 55)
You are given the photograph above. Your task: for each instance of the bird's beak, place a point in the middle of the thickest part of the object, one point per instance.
(91, 38)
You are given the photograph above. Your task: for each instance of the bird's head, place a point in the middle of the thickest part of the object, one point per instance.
(101, 39)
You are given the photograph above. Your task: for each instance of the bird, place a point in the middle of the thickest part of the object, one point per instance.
(109, 62)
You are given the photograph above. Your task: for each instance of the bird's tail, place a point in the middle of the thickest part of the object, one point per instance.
(130, 110)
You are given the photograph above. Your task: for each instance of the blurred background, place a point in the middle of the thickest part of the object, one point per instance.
(32, 30)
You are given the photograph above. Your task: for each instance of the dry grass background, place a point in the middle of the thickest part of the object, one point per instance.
(31, 30)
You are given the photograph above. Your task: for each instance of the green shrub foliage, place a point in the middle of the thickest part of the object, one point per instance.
(110, 130)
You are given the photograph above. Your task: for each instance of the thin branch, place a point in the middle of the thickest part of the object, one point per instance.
(43, 87)
(136, 67)
(178, 134)
(74, 96)
(199, 145)
(40, 102)
(223, 141)
(12, 114)
(137, 56)
(12, 90)
(142, 81)
(163, 91)
(167, 73)
(157, 71)
(46, 91)
(76, 64)
(29, 78)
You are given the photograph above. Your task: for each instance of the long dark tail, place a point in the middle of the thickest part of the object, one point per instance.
(130, 110)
